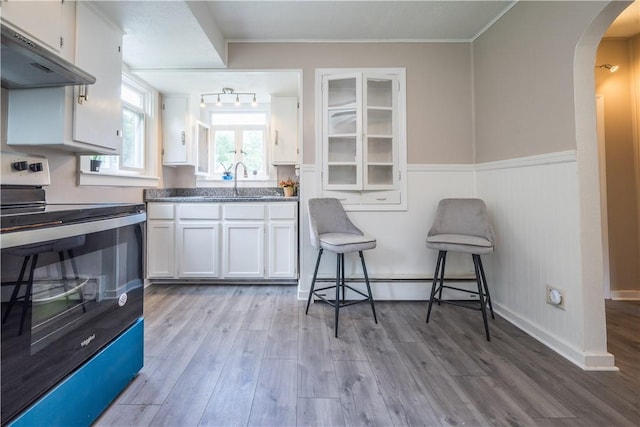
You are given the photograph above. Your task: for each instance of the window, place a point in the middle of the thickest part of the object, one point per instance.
(134, 107)
(138, 157)
(240, 136)
(133, 128)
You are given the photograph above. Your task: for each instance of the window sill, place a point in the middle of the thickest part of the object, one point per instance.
(87, 178)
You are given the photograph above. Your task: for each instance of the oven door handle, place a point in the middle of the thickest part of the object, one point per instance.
(27, 237)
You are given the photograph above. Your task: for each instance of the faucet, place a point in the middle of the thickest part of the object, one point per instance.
(235, 177)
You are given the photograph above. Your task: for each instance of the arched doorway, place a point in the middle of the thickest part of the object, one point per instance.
(616, 77)
(589, 182)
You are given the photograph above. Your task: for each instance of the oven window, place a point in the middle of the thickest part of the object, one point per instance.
(52, 288)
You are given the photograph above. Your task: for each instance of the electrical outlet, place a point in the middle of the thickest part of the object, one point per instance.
(556, 297)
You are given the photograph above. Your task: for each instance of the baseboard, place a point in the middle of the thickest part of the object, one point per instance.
(625, 295)
(582, 359)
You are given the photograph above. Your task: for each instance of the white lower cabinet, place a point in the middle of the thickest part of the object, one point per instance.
(161, 241)
(197, 243)
(283, 233)
(222, 241)
(243, 239)
(198, 249)
(243, 249)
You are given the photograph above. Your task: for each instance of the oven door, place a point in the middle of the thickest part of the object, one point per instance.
(67, 291)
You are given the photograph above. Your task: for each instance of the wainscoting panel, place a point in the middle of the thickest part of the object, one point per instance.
(535, 212)
(401, 257)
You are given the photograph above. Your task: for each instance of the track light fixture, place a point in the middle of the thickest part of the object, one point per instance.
(611, 68)
(227, 91)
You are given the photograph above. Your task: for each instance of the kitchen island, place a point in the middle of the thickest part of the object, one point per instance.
(213, 235)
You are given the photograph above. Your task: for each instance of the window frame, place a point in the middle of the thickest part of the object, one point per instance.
(141, 111)
(126, 176)
(268, 174)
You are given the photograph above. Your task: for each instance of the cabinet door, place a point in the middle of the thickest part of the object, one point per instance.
(243, 249)
(342, 131)
(160, 249)
(41, 20)
(203, 144)
(198, 249)
(282, 249)
(379, 144)
(98, 118)
(284, 130)
(175, 130)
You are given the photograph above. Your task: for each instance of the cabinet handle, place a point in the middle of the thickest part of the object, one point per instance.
(183, 137)
(381, 198)
(83, 94)
(276, 137)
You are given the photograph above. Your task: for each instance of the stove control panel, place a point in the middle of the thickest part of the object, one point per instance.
(23, 169)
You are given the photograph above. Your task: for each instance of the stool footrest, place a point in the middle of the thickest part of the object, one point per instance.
(457, 289)
(332, 303)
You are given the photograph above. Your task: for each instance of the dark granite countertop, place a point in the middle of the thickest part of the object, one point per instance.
(217, 195)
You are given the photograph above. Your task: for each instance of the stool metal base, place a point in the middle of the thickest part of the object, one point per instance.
(338, 302)
(483, 290)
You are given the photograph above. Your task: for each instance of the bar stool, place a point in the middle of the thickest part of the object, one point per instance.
(332, 230)
(462, 225)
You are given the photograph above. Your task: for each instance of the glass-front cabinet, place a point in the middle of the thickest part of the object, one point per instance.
(363, 144)
(343, 132)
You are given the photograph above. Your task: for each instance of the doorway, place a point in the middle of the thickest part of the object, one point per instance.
(617, 88)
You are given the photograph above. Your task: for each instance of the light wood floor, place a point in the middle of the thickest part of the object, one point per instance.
(236, 356)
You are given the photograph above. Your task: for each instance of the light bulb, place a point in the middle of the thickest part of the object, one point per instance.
(218, 102)
(614, 68)
(237, 100)
(254, 102)
(202, 104)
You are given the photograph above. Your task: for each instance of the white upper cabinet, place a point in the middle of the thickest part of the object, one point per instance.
(363, 135)
(176, 131)
(98, 117)
(41, 20)
(284, 130)
(90, 125)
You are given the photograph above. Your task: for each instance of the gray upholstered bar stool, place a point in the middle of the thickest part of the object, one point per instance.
(462, 225)
(332, 230)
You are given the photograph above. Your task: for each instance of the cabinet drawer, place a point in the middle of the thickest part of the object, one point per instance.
(345, 197)
(380, 197)
(160, 211)
(282, 210)
(199, 211)
(243, 211)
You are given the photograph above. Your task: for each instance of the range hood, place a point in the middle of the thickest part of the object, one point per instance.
(25, 64)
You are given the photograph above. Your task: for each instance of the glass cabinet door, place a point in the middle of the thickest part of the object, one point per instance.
(379, 142)
(342, 132)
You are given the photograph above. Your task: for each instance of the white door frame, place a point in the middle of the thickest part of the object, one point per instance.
(602, 160)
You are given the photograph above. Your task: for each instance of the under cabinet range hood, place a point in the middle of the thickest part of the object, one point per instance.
(25, 64)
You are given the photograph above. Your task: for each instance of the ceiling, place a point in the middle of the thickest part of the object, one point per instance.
(164, 38)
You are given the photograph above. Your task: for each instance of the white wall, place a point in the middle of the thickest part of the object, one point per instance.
(534, 204)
